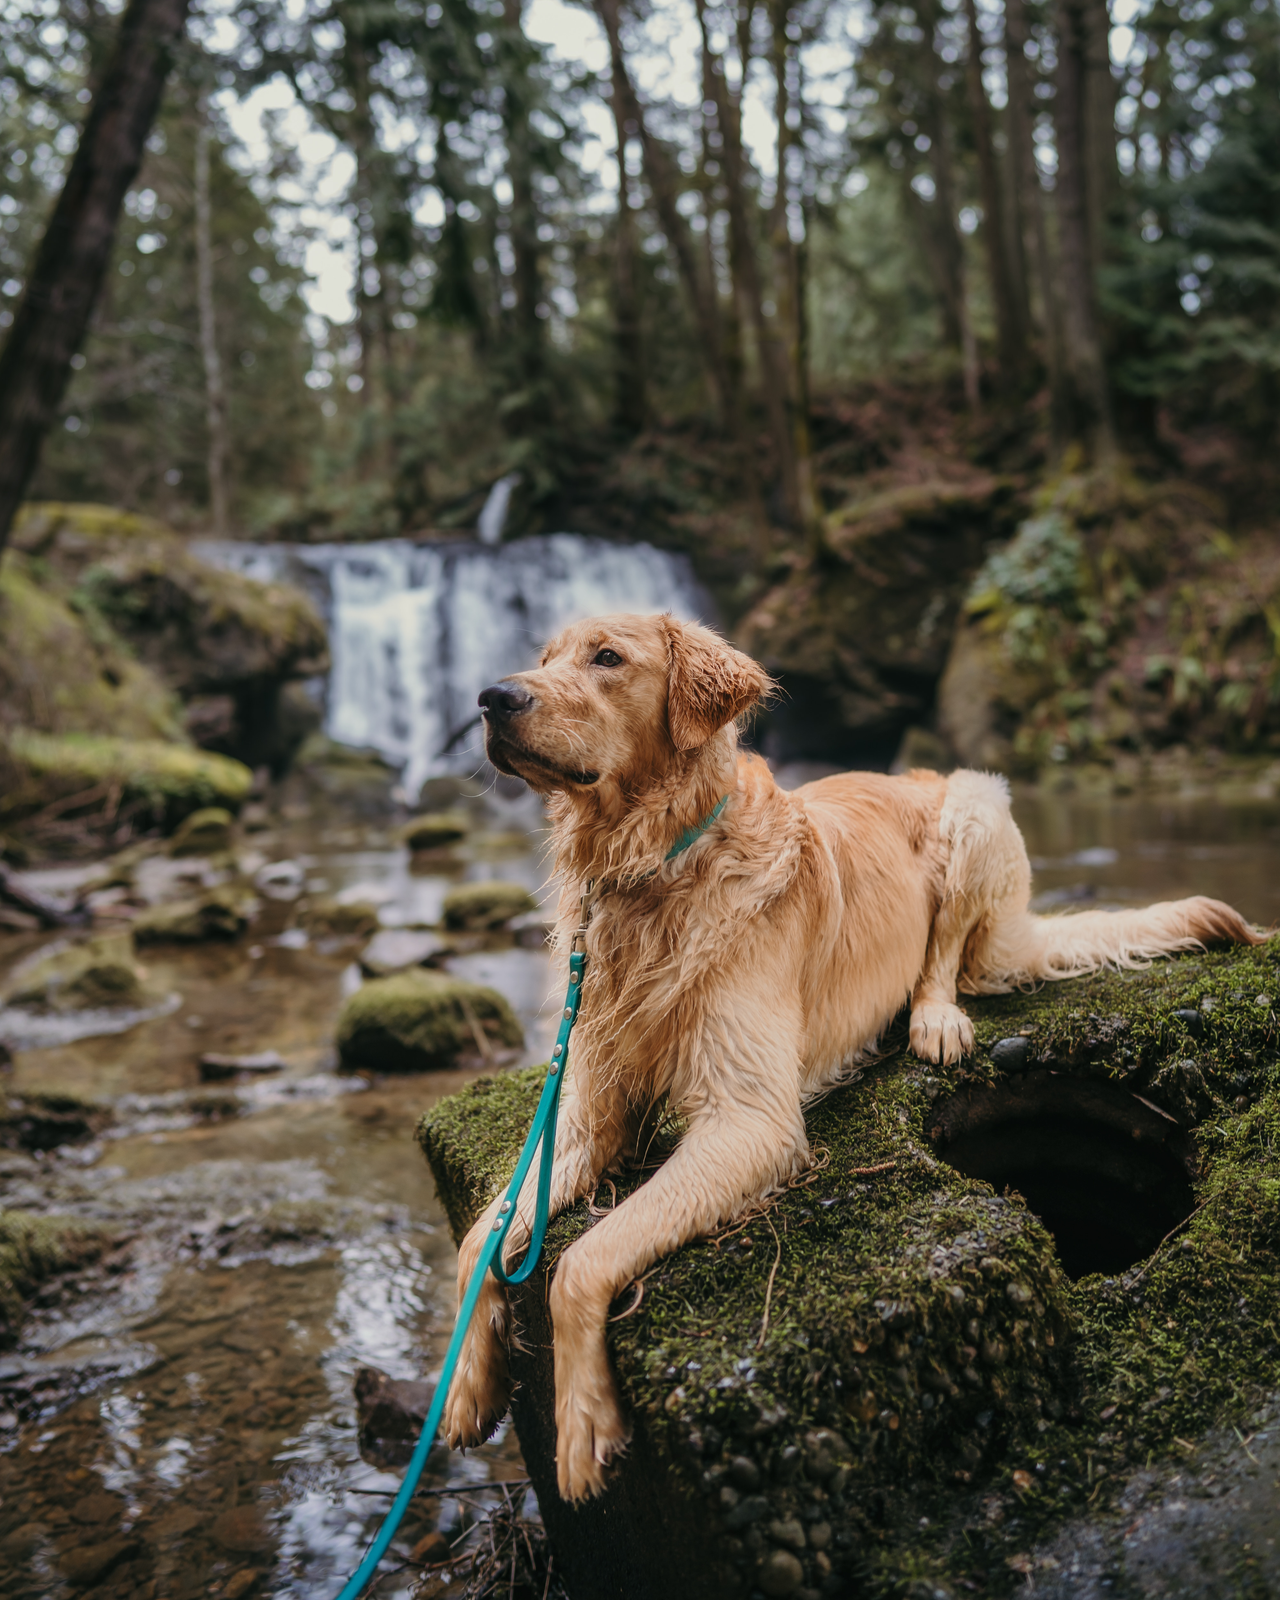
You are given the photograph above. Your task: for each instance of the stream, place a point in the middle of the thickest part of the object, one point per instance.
(185, 1423)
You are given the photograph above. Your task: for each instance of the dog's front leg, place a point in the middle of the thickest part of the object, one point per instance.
(732, 1155)
(481, 1389)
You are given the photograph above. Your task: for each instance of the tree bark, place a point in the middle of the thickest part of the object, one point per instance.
(1102, 179)
(630, 406)
(1031, 208)
(215, 396)
(71, 261)
(524, 210)
(1008, 291)
(744, 262)
(665, 188)
(787, 289)
(1091, 407)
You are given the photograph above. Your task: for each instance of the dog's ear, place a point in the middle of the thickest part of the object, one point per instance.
(709, 683)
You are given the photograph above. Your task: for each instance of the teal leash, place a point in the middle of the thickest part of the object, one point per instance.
(541, 1134)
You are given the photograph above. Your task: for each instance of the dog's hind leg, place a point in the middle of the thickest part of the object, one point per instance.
(988, 881)
(481, 1388)
(733, 1153)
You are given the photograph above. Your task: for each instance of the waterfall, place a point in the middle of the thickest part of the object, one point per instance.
(417, 630)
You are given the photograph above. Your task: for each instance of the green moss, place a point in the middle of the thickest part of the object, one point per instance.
(923, 1321)
(436, 829)
(168, 781)
(34, 1249)
(64, 672)
(203, 833)
(484, 907)
(422, 1021)
(100, 972)
(221, 913)
(325, 915)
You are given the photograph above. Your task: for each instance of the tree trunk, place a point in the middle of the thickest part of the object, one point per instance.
(744, 263)
(1102, 172)
(1008, 291)
(1091, 407)
(1031, 208)
(630, 408)
(215, 397)
(787, 289)
(67, 273)
(665, 188)
(524, 209)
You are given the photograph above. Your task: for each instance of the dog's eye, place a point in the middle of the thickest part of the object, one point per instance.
(606, 658)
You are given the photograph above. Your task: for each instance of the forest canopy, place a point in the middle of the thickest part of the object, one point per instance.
(706, 222)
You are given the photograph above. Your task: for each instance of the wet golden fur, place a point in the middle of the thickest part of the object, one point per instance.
(744, 976)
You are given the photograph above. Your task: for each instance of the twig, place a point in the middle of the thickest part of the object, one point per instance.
(638, 1285)
(1151, 1258)
(1244, 1445)
(870, 1172)
(768, 1293)
(482, 1041)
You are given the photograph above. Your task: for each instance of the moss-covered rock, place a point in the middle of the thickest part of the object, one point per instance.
(34, 1249)
(423, 1021)
(63, 670)
(203, 833)
(75, 977)
(161, 783)
(221, 913)
(858, 636)
(891, 1375)
(485, 907)
(327, 917)
(435, 830)
(36, 1121)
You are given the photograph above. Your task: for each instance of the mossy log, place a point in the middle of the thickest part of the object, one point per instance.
(888, 1382)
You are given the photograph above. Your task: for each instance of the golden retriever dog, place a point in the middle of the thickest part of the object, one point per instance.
(745, 975)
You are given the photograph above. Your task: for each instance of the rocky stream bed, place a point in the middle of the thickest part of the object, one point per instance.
(197, 1262)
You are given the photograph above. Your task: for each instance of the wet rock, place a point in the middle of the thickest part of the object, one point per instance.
(422, 1021)
(435, 830)
(924, 1344)
(240, 1583)
(216, 1068)
(99, 972)
(394, 949)
(97, 1508)
(281, 880)
(242, 1529)
(1010, 1055)
(203, 833)
(35, 1121)
(324, 916)
(222, 913)
(88, 1564)
(34, 1249)
(484, 907)
(390, 1413)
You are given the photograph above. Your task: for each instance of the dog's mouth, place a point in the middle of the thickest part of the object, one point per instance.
(518, 761)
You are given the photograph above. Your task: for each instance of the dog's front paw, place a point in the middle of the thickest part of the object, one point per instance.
(479, 1394)
(589, 1434)
(940, 1033)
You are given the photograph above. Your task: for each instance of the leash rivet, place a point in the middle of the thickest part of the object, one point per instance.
(557, 1050)
(555, 1067)
(505, 1207)
(568, 1013)
(497, 1224)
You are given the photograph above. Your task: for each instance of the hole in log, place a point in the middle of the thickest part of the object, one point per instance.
(1106, 1172)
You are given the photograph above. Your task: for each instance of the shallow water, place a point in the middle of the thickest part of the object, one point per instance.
(188, 1423)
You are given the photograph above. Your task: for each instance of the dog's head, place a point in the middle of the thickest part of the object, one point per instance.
(615, 701)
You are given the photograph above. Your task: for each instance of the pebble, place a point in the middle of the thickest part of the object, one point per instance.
(242, 1529)
(744, 1474)
(239, 1583)
(1192, 1020)
(780, 1573)
(788, 1533)
(88, 1564)
(746, 1512)
(1010, 1055)
(820, 1535)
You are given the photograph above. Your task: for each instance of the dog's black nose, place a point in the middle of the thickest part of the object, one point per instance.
(504, 700)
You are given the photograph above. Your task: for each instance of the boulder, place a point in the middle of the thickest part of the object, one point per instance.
(858, 634)
(76, 977)
(158, 783)
(204, 833)
(35, 1121)
(486, 907)
(897, 1378)
(199, 631)
(221, 913)
(435, 830)
(323, 916)
(423, 1021)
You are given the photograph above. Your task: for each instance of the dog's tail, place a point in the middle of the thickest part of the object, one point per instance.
(1025, 949)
